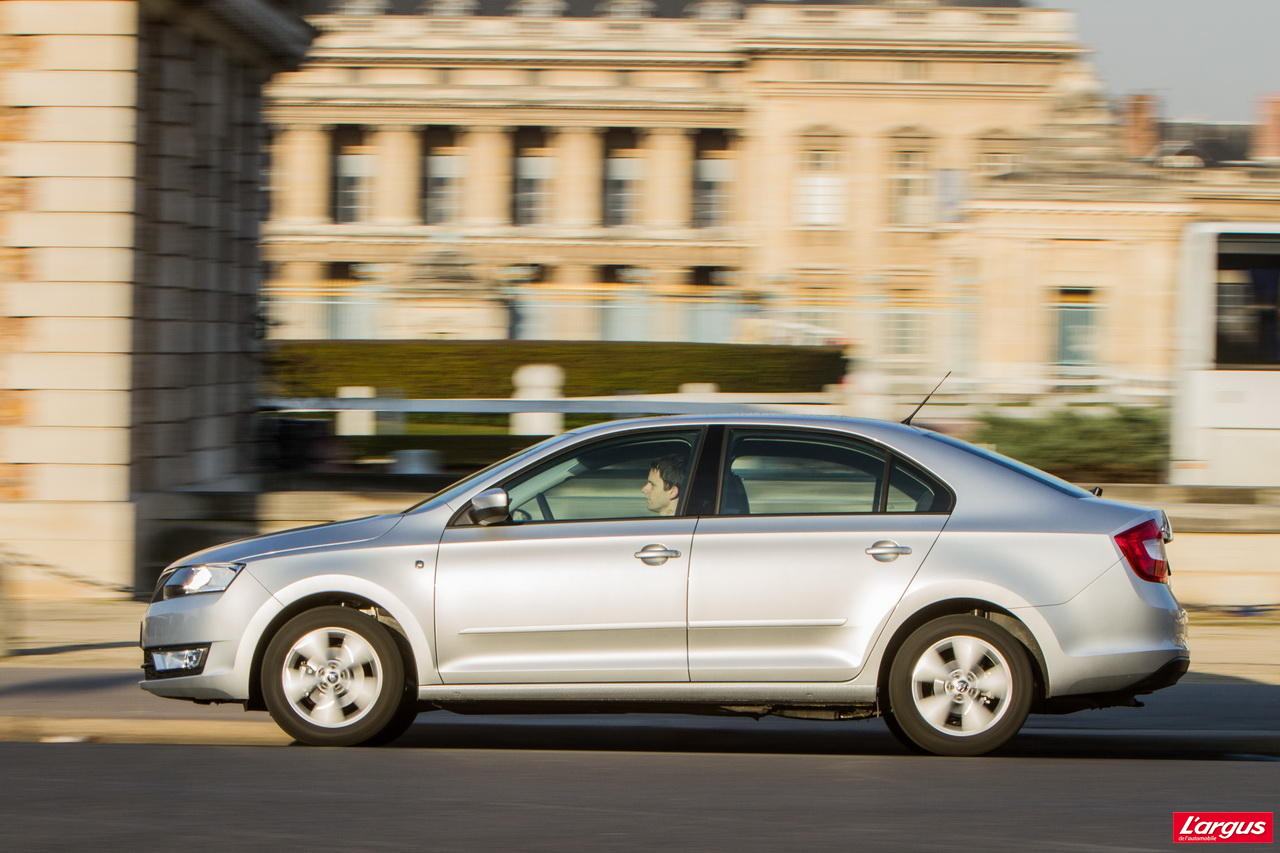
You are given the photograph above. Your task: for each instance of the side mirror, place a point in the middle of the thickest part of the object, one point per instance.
(491, 506)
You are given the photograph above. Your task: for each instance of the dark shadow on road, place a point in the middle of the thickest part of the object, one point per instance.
(78, 647)
(857, 738)
(1228, 719)
(77, 683)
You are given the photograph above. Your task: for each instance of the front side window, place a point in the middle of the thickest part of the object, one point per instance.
(626, 477)
(789, 473)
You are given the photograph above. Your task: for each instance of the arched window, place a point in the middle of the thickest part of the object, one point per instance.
(818, 193)
(998, 152)
(911, 185)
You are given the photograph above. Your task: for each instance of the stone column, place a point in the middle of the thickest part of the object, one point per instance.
(397, 175)
(737, 212)
(668, 186)
(487, 187)
(579, 188)
(301, 165)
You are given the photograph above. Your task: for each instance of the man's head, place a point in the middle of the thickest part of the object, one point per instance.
(662, 488)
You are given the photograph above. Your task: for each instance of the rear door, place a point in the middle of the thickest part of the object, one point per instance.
(815, 539)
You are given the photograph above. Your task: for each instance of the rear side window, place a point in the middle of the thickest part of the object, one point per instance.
(793, 473)
(911, 490)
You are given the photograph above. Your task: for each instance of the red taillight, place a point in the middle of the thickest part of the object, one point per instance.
(1143, 547)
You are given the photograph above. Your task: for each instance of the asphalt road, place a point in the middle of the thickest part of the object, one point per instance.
(549, 798)
(1101, 780)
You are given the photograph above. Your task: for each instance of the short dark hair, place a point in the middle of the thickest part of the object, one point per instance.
(671, 468)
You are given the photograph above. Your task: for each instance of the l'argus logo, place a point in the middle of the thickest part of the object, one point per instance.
(1223, 827)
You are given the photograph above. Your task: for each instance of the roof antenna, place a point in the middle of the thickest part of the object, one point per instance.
(907, 419)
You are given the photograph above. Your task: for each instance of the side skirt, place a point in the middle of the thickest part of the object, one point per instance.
(797, 694)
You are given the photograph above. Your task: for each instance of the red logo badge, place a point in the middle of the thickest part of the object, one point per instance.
(1223, 827)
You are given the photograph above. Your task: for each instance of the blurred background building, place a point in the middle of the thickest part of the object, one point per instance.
(939, 185)
(933, 184)
(132, 135)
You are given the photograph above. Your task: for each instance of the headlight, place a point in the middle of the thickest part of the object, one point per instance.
(191, 580)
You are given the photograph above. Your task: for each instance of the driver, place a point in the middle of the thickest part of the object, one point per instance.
(662, 489)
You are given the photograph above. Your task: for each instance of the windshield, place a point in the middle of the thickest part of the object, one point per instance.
(1012, 464)
(449, 493)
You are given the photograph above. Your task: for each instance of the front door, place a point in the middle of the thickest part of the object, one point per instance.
(586, 583)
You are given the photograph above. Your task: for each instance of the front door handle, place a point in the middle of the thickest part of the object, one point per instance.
(655, 555)
(886, 550)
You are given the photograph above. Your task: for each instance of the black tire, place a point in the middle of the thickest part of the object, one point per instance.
(334, 676)
(959, 685)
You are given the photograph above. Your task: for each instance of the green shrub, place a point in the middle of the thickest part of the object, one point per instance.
(453, 369)
(1126, 445)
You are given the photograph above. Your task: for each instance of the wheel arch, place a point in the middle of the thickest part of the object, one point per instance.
(958, 607)
(324, 599)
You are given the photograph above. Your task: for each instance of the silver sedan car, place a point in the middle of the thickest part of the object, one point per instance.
(823, 568)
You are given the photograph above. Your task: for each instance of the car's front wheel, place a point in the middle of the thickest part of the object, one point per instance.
(959, 685)
(334, 676)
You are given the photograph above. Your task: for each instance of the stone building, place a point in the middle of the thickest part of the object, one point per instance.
(713, 170)
(941, 185)
(130, 136)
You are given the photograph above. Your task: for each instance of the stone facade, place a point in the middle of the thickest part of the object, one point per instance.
(942, 186)
(687, 171)
(131, 142)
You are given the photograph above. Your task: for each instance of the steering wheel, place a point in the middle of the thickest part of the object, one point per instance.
(519, 516)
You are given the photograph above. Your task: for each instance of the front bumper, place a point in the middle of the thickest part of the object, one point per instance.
(216, 620)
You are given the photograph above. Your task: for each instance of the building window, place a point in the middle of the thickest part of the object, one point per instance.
(819, 187)
(998, 153)
(532, 189)
(443, 167)
(910, 183)
(1075, 323)
(353, 165)
(351, 303)
(623, 174)
(904, 335)
(712, 179)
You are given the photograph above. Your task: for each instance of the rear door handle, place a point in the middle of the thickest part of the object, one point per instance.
(655, 555)
(886, 550)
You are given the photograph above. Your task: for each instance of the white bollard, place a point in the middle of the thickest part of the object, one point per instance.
(537, 382)
(356, 422)
(867, 394)
(699, 389)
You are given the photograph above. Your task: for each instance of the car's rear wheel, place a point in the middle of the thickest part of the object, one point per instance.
(959, 685)
(334, 676)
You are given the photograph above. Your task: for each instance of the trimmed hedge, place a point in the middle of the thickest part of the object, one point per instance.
(454, 369)
(1127, 445)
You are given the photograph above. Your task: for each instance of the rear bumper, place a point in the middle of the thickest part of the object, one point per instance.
(1166, 676)
(1118, 632)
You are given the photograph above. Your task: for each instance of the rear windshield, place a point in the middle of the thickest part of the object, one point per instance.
(1012, 464)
